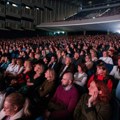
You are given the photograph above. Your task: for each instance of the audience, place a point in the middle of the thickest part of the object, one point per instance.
(29, 65)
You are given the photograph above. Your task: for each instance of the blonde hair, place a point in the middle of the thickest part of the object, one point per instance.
(18, 100)
(51, 73)
(20, 62)
(28, 64)
(41, 66)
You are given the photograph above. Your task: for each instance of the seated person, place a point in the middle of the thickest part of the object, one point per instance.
(36, 79)
(64, 100)
(116, 74)
(94, 105)
(102, 75)
(16, 107)
(10, 69)
(106, 58)
(21, 79)
(44, 92)
(48, 85)
(80, 78)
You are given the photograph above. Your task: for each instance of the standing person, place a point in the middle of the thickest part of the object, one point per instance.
(94, 105)
(15, 108)
(62, 104)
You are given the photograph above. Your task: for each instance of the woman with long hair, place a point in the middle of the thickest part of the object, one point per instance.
(15, 107)
(94, 105)
(80, 78)
(102, 75)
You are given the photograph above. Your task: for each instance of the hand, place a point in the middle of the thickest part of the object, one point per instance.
(47, 114)
(29, 84)
(92, 99)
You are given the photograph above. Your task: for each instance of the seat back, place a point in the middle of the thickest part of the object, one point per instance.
(115, 109)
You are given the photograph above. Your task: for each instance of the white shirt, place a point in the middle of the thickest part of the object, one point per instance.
(18, 70)
(80, 78)
(19, 114)
(115, 72)
(10, 68)
(107, 60)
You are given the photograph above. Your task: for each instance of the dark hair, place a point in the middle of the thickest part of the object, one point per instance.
(83, 67)
(105, 96)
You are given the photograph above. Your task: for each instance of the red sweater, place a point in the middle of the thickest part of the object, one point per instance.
(68, 98)
(101, 78)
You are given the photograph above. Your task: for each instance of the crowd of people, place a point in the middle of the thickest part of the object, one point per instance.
(59, 77)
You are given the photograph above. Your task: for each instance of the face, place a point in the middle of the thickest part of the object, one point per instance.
(100, 71)
(79, 69)
(52, 59)
(45, 60)
(47, 75)
(37, 68)
(104, 54)
(93, 89)
(65, 81)
(25, 64)
(8, 109)
(67, 61)
(118, 62)
(87, 59)
(13, 61)
(76, 55)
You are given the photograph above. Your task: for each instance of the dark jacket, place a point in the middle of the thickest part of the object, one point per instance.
(100, 111)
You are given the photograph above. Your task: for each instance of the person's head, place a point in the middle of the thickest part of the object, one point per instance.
(14, 103)
(39, 68)
(6, 59)
(82, 67)
(67, 79)
(110, 52)
(19, 62)
(105, 54)
(87, 58)
(76, 55)
(63, 53)
(53, 58)
(68, 60)
(37, 56)
(50, 74)
(93, 53)
(45, 60)
(13, 61)
(31, 55)
(101, 69)
(119, 61)
(27, 64)
(100, 90)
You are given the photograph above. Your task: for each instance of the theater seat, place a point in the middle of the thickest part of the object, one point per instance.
(115, 109)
